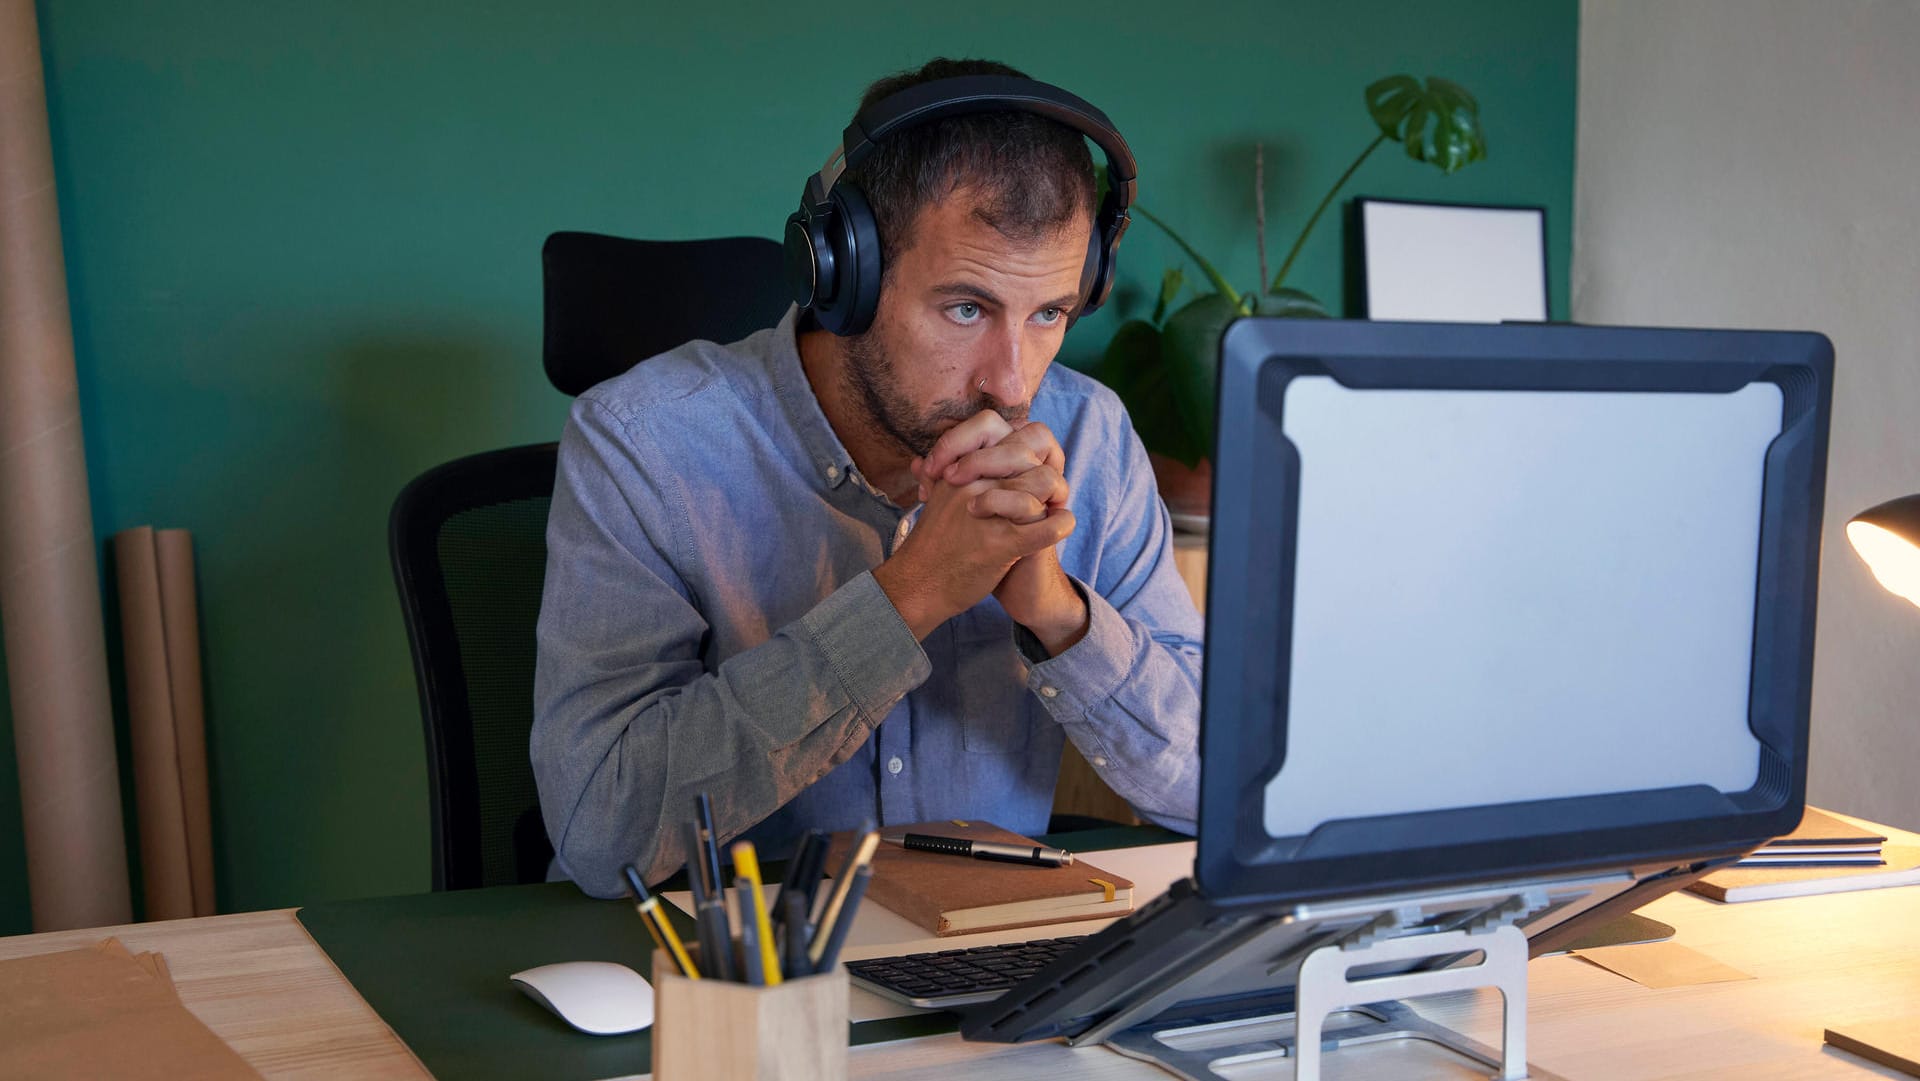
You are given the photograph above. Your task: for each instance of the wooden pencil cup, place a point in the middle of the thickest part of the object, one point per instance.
(712, 1030)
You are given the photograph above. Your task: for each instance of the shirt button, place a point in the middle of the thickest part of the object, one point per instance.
(1098, 760)
(894, 765)
(833, 472)
(1049, 692)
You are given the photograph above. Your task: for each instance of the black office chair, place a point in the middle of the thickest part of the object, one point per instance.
(469, 547)
(468, 538)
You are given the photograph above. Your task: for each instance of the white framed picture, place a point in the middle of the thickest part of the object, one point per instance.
(1452, 262)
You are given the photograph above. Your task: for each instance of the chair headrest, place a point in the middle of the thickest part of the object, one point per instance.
(612, 302)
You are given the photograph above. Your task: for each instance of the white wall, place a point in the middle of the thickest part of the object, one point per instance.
(1756, 163)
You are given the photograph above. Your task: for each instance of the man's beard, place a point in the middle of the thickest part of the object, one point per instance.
(870, 374)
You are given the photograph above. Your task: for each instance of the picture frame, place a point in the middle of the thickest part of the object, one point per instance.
(1451, 262)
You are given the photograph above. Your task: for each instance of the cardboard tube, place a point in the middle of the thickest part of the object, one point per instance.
(49, 577)
(180, 611)
(166, 881)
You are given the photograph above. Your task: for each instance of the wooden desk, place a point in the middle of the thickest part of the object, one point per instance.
(263, 986)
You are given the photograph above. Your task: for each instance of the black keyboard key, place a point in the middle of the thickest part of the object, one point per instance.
(967, 974)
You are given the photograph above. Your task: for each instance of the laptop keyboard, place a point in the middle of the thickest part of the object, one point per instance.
(957, 977)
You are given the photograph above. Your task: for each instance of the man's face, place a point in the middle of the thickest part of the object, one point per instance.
(963, 305)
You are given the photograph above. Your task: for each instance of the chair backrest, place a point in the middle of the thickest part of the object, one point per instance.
(468, 538)
(469, 548)
(612, 302)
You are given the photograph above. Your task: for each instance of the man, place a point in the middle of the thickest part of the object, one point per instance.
(882, 576)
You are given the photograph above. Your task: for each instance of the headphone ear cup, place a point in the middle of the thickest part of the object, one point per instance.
(809, 260)
(1103, 249)
(854, 239)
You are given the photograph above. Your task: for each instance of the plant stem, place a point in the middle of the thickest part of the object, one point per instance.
(1260, 204)
(1219, 281)
(1281, 277)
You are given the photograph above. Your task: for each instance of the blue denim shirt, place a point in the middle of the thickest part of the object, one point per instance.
(711, 624)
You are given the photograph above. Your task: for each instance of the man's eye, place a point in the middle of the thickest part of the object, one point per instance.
(966, 311)
(1051, 316)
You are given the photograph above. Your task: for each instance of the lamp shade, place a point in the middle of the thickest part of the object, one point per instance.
(1888, 538)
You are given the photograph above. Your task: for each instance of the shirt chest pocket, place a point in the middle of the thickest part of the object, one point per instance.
(996, 709)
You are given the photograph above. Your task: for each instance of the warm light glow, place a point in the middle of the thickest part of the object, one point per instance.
(1894, 561)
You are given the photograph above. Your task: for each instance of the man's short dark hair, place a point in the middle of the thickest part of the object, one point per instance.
(1033, 176)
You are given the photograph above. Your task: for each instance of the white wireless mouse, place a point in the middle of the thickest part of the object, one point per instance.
(597, 997)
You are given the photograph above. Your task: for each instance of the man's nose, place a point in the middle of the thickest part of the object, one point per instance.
(1003, 380)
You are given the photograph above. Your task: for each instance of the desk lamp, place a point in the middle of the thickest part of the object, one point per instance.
(1888, 538)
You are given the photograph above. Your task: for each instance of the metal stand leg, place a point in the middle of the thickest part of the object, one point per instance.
(1326, 986)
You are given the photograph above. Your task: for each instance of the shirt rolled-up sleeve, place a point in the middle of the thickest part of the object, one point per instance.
(628, 722)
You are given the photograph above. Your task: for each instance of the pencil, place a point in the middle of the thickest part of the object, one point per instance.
(649, 908)
(746, 865)
(862, 855)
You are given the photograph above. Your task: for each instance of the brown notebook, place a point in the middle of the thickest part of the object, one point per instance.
(1759, 883)
(959, 895)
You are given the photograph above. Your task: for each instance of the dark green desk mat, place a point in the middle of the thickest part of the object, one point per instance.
(434, 966)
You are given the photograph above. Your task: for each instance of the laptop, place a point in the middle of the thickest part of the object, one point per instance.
(1504, 623)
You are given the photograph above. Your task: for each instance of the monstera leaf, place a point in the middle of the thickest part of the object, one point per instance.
(1438, 123)
(1166, 368)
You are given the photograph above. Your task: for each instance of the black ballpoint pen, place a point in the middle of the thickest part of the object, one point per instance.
(1040, 855)
(703, 816)
(709, 912)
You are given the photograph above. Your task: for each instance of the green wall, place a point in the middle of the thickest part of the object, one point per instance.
(302, 250)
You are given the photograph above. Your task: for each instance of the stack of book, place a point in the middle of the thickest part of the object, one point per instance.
(1820, 840)
(1823, 855)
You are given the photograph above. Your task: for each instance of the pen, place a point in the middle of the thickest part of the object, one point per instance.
(746, 865)
(703, 815)
(796, 871)
(986, 850)
(794, 902)
(836, 904)
(838, 936)
(709, 912)
(751, 971)
(810, 874)
(657, 925)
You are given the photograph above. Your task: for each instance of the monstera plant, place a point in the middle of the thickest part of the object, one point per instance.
(1164, 367)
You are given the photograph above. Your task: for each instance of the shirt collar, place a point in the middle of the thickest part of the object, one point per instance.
(832, 465)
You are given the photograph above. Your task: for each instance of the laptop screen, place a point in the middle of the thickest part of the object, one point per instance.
(1505, 600)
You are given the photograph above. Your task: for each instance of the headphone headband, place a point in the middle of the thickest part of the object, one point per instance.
(837, 276)
(967, 94)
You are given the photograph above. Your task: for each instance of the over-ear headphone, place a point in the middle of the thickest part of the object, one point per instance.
(833, 245)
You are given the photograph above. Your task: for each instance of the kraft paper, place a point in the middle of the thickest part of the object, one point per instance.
(1661, 964)
(160, 632)
(101, 1011)
(49, 578)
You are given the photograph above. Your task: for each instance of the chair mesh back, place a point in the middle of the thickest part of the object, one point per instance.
(493, 560)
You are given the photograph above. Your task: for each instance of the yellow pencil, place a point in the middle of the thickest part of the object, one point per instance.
(746, 865)
(650, 911)
(652, 931)
(663, 933)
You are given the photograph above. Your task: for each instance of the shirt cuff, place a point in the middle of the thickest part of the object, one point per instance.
(1087, 672)
(870, 649)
